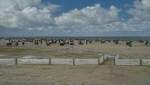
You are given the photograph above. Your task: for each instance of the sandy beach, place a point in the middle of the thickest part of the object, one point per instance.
(106, 74)
(74, 75)
(94, 50)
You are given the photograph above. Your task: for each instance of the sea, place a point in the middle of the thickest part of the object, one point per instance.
(83, 37)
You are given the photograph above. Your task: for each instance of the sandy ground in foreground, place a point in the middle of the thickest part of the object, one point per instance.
(74, 75)
(107, 74)
(138, 50)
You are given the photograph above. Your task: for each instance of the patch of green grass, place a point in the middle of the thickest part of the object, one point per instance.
(82, 84)
(148, 66)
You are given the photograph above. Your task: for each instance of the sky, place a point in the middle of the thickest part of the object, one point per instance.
(74, 18)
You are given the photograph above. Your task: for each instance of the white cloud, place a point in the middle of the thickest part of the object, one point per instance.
(33, 15)
(146, 4)
(89, 15)
(140, 15)
(24, 14)
(17, 4)
(113, 11)
(96, 19)
(88, 19)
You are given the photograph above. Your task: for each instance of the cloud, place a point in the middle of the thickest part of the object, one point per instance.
(89, 19)
(146, 4)
(25, 14)
(96, 19)
(140, 15)
(34, 16)
(17, 4)
(93, 20)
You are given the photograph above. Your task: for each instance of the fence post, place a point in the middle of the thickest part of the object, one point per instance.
(16, 61)
(98, 61)
(50, 61)
(114, 60)
(105, 57)
(140, 62)
(74, 61)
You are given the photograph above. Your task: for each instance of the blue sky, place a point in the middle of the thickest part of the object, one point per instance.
(74, 18)
(67, 5)
(71, 4)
